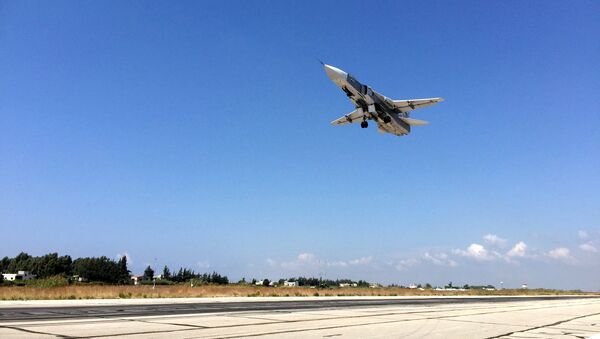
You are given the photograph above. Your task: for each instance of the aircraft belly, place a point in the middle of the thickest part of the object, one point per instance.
(396, 126)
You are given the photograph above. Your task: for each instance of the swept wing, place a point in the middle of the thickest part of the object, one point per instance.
(352, 117)
(411, 104)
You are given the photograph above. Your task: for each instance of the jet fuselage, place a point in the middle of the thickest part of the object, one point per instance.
(374, 106)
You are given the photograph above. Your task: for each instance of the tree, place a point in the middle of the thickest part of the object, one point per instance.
(148, 273)
(166, 273)
(123, 271)
(100, 269)
(4, 264)
(266, 282)
(428, 286)
(362, 283)
(21, 262)
(45, 266)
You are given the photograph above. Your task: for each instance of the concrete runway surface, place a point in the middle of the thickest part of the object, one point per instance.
(352, 317)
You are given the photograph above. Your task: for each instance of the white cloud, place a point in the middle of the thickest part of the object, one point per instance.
(440, 259)
(336, 263)
(583, 234)
(494, 240)
(404, 264)
(519, 250)
(290, 265)
(306, 256)
(308, 261)
(361, 261)
(203, 264)
(588, 247)
(560, 253)
(302, 261)
(477, 252)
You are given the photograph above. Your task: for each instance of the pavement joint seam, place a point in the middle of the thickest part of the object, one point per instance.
(154, 323)
(367, 324)
(67, 311)
(34, 332)
(544, 326)
(331, 318)
(266, 323)
(322, 319)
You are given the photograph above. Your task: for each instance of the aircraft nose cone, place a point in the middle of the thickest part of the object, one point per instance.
(334, 73)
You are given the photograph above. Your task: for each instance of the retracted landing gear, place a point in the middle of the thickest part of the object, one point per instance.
(364, 124)
(387, 119)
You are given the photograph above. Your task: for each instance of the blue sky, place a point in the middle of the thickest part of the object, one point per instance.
(197, 134)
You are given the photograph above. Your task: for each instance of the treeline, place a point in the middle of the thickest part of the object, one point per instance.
(186, 275)
(100, 269)
(45, 266)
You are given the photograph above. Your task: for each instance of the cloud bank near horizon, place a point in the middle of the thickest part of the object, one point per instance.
(526, 263)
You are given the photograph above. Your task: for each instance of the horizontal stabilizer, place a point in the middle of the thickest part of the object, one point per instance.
(414, 122)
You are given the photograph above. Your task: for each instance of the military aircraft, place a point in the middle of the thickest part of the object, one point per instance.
(391, 116)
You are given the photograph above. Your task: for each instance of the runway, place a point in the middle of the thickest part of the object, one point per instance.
(357, 317)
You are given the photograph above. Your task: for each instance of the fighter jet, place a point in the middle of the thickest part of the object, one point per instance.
(391, 116)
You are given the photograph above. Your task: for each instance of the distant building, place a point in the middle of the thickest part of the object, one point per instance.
(348, 284)
(79, 278)
(292, 284)
(136, 279)
(20, 275)
(413, 286)
(524, 286)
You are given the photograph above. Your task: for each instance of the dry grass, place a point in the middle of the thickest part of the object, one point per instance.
(180, 291)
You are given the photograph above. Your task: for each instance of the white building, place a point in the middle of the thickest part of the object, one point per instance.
(413, 286)
(348, 284)
(20, 275)
(291, 284)
(79, 278)
(136, 279)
